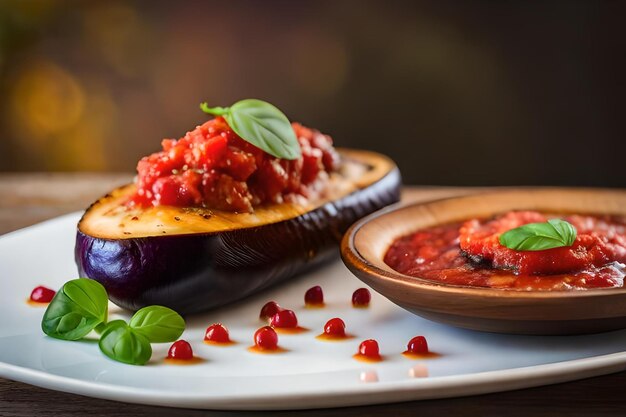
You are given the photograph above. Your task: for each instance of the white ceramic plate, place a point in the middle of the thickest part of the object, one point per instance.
(311, 374)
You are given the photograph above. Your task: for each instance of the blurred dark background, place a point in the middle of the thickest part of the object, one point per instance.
(460, 93)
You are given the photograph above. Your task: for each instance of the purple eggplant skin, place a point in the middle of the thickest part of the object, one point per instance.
(196, 272)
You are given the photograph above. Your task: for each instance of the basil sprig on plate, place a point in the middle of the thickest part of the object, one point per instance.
(554, 233)
(80, 306)
(77, 309)
(121, 343)
(158, 324)
(261, 124)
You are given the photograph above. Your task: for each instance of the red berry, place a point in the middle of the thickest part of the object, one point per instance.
(314, 296)
(369, 348)
(266, 338)
(181, 349)
(335, 327)
(42, 294)
(269, 309)
(217, 333)
(361, 297)
(284, 319)
(417, 345)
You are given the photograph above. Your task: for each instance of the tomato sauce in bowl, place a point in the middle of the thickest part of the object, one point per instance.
(414, 256)
(469, 254)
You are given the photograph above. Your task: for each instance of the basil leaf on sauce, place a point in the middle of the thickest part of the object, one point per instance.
(121, 343)
(76, 309)
(554, 233)
(158, 324)
(261, 124)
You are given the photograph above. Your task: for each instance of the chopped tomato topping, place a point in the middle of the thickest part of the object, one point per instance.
(213, 167)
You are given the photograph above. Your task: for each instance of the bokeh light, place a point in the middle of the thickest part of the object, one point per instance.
(460, 93)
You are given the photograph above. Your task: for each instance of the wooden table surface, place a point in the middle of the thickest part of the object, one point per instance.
(26, 199)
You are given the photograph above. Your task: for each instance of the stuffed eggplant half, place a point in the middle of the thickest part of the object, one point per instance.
(205, 230)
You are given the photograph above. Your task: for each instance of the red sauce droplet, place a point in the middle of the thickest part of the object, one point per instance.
(417, 348)
(181, 349)
(417, 345)
(284, 319)
(314, 297)
(369, 348)
(265, 341)
(361, 298)
(266, 338)
(269, 309)
(368, 351)
(217, 334)
(42, 294)
(334, 329)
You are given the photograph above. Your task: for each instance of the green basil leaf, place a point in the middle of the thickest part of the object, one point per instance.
(76, 309)
(261, 124)
(158, 324)
(564, 229)
(554, 233)
(121, 343)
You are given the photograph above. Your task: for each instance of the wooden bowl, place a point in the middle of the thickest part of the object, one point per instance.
(492, 310)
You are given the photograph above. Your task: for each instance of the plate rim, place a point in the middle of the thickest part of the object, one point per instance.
(366, 394)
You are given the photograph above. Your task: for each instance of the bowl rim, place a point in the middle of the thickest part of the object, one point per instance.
(361, 266)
